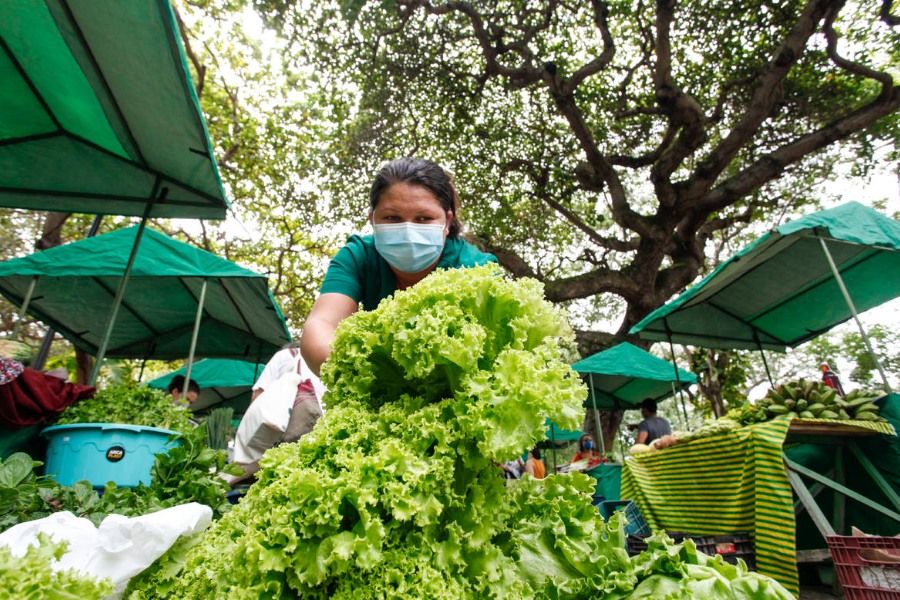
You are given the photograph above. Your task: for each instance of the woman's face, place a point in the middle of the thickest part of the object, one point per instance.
(410, 203)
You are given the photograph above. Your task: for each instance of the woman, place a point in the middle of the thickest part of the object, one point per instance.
(412, 208)
(586, 450)
(534, 466)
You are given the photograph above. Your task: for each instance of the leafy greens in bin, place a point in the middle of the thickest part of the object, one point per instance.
(131, 404)
(396, 492)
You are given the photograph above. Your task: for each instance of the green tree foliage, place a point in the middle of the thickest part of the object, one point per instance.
(602, 146)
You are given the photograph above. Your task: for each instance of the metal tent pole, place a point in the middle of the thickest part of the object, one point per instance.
(24, 309)
(852, 307)
(194, 335)
(763, 355)
(677, 375)
(120, 293)
(596, 414)
(553, 441)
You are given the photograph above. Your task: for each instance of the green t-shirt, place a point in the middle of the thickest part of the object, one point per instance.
(358, 271)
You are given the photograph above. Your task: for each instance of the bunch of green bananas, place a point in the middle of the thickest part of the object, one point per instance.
(748, 414)
(803, 399)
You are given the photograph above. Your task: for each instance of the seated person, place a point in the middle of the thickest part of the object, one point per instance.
(176, 389)
(534, 466)
(587, 450)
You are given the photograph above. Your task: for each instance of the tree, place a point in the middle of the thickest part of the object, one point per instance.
(602, 146)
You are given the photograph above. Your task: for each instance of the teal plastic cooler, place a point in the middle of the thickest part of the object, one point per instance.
(102, 452)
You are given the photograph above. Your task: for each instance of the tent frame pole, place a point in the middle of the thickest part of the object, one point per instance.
(763, 355)
(596, 414)
(120, 293)
(194, 335)
(852, 307)
(677, 376)
(24, 309)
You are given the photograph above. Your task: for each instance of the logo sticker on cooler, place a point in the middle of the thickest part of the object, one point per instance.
(115, 453)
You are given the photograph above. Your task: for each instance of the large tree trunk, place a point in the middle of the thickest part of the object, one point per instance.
(711, 380)
(51, 236)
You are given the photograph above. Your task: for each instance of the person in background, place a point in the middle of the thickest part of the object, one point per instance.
(653, 426)
(513, 469)
(831, 379)
(279, 364)
(534, 466)
(413, 209)
(587, 450)
(176, 389)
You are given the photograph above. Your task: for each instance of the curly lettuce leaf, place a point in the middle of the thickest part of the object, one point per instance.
(32, 576)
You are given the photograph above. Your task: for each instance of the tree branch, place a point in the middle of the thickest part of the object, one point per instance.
(766, 94)
(198, 66)
(771, 166)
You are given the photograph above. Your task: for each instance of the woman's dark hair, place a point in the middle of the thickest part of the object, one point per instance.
(536, 453)
(418, 171)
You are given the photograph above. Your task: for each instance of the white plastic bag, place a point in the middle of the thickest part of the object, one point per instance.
(120, 548)
(267, 417)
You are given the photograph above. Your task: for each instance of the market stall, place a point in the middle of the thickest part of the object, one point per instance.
(734, 481)
(181, 301)
(620, 378)
(100, 116)
(792, 284)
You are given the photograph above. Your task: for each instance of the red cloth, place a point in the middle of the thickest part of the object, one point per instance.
(34, 396)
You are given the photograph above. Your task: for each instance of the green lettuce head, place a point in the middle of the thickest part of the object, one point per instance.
(473, 336)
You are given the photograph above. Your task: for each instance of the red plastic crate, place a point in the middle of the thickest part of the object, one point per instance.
(864, 577)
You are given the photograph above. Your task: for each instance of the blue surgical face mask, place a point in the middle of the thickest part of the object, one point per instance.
(409, 247)
(588, 445)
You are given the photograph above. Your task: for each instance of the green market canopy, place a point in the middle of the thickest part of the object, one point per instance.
(223, 383)
(556, 434)
(781, 290)
(624, 375)
(72, 287)
(98, 113)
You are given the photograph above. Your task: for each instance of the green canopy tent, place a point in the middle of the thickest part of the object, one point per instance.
(181, 300)
(98, 114)
(223, 383)
(620, 377)
(792, 284)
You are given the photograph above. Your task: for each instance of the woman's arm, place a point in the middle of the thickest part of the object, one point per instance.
(318, 332)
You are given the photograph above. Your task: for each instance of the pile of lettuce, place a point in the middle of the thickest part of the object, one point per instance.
(32, 576)
(396, 492)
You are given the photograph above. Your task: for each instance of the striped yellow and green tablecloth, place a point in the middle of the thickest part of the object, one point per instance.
(723, 484)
